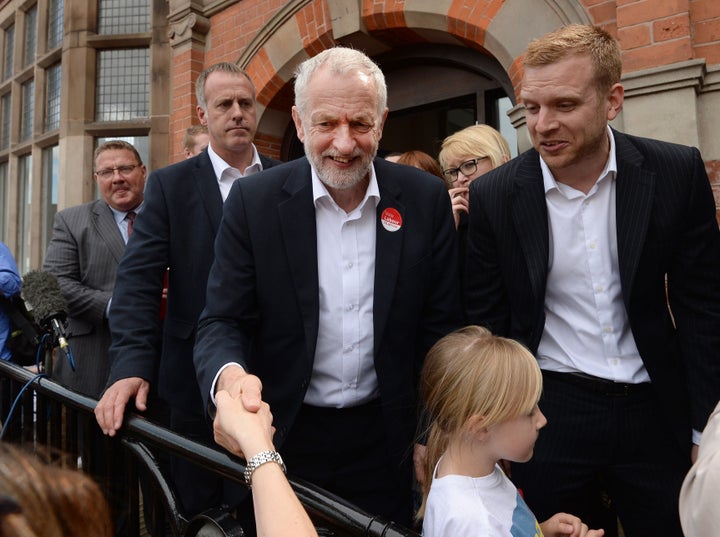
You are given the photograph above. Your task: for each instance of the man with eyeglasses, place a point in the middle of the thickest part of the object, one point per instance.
(87, 244)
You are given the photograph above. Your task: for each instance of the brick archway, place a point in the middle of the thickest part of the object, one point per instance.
(305, 27)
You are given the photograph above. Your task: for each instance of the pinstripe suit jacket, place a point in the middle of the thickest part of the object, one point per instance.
(83, 254)
(666, 225)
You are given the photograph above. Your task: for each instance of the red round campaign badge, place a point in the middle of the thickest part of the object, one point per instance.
(391, 219)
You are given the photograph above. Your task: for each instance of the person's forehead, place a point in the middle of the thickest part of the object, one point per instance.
(462, 158)
(114, 155)
(341, 98)
(220, 83)
(572, 74)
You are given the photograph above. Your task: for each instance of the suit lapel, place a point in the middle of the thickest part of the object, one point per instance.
(634, 192)
(388, 249)
(298, 227)
(107, 228)
(207, 184)
(529, 214)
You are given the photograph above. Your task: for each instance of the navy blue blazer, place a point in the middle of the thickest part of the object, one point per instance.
(666, 225)
(262, 303)
(176, 229)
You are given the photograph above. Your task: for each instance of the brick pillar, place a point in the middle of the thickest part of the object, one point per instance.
(187, 32)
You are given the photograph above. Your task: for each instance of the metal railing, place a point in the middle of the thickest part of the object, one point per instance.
(50, 417)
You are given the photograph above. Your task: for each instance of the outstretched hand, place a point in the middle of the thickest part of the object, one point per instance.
(240, 431)
(241, 385)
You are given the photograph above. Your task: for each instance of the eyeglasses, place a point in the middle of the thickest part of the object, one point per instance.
(124, 171)
(467, 168)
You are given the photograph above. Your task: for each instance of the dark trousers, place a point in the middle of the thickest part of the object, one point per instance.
(618, 443)
(345, 452)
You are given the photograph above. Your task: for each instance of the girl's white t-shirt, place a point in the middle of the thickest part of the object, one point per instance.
(489, 506)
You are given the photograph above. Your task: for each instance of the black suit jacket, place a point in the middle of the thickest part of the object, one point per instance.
(666, 225)
(262, 303)
(176, 229)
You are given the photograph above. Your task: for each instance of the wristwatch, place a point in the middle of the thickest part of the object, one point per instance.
(260, 459)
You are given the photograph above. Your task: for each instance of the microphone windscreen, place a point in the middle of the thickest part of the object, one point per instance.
(42, 291)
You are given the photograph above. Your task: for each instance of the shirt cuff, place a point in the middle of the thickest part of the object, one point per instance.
(217, 376)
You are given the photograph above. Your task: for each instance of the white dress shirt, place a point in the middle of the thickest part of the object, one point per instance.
(586, 326)
(344, 370)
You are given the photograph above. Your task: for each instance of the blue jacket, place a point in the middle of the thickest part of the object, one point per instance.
(10, 283)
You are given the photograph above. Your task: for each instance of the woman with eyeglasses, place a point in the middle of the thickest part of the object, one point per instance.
(465, 156)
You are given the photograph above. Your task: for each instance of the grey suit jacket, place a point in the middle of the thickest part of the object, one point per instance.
(83, 254)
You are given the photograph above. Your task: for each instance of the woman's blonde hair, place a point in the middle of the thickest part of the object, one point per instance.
(37, 499)
(472, 372)
(477, 141)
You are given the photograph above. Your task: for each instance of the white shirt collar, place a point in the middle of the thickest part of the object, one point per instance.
(220, 166)
(320, 191)
(610, 168)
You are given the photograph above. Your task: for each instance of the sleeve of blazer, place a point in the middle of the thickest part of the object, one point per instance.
(443, 308)
(134, 313)
(227, 322)
(694, 289)
(487, 302)
(63, 260)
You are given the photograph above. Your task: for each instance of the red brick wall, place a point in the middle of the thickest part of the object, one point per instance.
(187, 66)
(651, 32)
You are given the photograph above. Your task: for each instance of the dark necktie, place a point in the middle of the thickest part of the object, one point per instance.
(130, 216)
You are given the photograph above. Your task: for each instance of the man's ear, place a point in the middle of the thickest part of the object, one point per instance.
(298, 124)
(616, 98)
(381, 126)
(201, 114)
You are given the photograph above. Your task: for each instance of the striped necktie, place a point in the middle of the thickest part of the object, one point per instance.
(130, 217)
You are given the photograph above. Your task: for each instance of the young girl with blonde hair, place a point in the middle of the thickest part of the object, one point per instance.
(481, 392)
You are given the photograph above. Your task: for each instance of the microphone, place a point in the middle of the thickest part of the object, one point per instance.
(42, 292)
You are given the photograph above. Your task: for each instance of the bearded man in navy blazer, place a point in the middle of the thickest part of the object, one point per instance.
(333, 276)
(173, 238)
(600, 251)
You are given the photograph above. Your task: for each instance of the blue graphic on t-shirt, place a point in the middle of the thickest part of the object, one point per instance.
(524, 523)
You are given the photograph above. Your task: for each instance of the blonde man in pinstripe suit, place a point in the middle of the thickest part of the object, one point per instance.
(600, 251)
(87, 244)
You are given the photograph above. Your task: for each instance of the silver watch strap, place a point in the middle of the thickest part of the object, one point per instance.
(258, 460)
